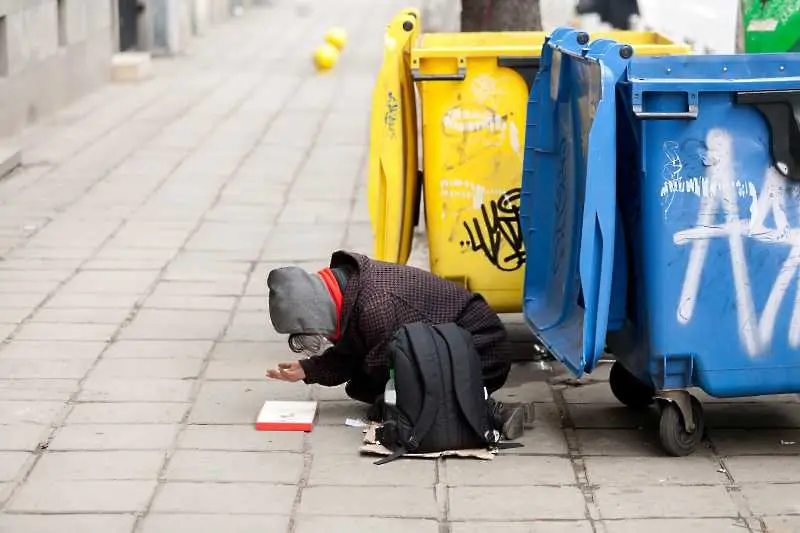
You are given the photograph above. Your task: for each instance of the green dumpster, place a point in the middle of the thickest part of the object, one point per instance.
(770, 25)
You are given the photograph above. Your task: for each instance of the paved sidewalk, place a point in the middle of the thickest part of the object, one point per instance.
(134, 246)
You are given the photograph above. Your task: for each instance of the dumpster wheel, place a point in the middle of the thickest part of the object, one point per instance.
(628, 389)
(672, 433)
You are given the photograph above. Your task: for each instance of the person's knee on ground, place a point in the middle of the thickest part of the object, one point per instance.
(366, 392)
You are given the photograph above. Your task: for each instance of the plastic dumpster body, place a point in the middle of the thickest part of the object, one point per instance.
(663, 198)
(393, 194)
(473, 94)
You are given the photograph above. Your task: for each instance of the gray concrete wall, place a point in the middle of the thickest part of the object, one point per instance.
(55, 51)
(171, 24)
(49, 56)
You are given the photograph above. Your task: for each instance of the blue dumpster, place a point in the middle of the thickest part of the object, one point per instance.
(662, 197)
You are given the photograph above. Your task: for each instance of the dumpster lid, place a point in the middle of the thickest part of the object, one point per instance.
(479, 44)
(568, 204)
(645, 43)
(393, 182)
(525, 44)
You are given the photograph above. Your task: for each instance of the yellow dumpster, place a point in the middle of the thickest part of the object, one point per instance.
(394, 184)
(473, 95)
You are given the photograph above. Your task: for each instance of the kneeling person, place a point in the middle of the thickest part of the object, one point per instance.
(357, 304)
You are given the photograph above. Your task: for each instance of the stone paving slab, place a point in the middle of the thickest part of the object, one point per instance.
(135, 241)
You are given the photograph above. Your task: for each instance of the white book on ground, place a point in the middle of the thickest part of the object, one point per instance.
(287, 416)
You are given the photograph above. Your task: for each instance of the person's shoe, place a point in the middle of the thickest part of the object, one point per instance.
(513, 423)
(510, 420)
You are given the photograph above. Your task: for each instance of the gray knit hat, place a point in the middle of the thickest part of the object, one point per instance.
(299, 303)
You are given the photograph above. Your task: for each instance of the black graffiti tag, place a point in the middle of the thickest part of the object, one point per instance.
(390, 114)
(497, 232)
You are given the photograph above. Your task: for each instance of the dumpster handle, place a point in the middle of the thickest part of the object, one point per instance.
(461, 75)
(637, 106)
(692, 113)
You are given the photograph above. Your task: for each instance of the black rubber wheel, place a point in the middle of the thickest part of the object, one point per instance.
(672, 434)
(628, 389)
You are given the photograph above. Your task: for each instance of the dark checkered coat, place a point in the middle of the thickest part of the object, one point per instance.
(379, 298)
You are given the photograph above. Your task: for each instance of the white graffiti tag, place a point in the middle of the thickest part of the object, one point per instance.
(756, 333)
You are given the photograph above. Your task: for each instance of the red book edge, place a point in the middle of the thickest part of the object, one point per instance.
(283, 426)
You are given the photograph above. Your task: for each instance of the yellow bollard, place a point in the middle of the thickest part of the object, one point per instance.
(325, 56)
(337, 37)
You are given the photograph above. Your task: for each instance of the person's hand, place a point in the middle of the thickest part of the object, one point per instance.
(287, 372)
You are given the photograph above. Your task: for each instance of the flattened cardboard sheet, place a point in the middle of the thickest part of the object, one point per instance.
(372, 447)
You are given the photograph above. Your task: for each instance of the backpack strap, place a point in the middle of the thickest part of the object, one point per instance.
(507, 445)
(466, 377)
(424, 350)
(396, 454)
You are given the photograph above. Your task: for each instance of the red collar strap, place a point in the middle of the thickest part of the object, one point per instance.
(336, 293)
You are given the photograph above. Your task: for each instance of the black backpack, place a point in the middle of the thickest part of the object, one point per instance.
(441, 401)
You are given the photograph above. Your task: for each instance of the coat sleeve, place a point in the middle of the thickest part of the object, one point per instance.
(333, 367)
